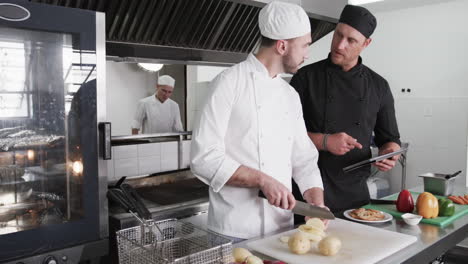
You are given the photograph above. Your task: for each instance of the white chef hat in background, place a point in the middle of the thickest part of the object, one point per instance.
(280, 20)
(166, 80)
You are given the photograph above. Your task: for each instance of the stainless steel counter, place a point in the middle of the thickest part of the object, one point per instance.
(432, 240)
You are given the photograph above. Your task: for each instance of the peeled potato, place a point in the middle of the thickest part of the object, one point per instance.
(329, 246)
(240, 254)
(299, 243)
(253, 260)
(316, 222)
(284, 239)
(312, 233)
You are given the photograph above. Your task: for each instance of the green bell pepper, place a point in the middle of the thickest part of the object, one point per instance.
(446, 207)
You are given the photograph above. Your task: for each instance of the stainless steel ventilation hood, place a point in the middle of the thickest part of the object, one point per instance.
(215, 32)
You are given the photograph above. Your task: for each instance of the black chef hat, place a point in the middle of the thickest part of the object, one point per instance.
(359, 18)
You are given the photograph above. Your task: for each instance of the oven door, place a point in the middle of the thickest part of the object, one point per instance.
(52, 182)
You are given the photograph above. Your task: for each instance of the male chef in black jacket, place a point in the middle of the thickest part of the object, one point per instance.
(343, 103)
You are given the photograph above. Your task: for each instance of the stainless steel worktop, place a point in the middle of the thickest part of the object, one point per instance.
(432, 240)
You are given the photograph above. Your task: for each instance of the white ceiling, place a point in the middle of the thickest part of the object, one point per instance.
(391, 5)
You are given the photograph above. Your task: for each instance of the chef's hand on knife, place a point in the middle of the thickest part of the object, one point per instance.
(314, 196)
(276, 193)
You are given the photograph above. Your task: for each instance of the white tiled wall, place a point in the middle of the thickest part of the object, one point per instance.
(148, 165)
(143, 159)
(169, 158)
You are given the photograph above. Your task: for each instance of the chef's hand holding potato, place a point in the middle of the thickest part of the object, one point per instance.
(314, 196)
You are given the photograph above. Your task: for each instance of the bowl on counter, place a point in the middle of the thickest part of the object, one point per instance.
(439, 183)
(411, 219)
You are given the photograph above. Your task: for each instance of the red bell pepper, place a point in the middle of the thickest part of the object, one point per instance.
(405, 203)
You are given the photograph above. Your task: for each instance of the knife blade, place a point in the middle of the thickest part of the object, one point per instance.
(378, 201)
(306, 209)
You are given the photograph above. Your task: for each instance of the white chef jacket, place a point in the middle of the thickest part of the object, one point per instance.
(157, 117)
(254, 120)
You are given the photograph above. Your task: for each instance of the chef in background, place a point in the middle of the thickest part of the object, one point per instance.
(344, 101)
(158, 113)
(251, 135)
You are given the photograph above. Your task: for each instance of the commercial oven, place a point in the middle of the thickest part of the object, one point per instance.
(53, 179)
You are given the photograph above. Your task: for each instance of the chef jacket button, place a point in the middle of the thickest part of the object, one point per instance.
(259, 107)
(263, 163)
(358, 123)
(361, 99)
(330, 97)
(289, 138)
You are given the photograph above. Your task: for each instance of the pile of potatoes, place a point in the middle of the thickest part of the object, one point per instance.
(313, 231)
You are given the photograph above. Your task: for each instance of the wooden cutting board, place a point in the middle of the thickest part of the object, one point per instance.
(361, 243)
(442, 221)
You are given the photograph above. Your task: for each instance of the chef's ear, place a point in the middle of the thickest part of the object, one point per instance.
(367, 42)
(281, 46)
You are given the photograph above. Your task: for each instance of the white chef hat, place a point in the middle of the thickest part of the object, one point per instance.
(166, 80)
(280, 20)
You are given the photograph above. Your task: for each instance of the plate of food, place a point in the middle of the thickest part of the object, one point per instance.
(367, 215)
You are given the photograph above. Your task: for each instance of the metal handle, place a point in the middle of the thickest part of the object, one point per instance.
(136, 201)
(105, 137)
(453, 175)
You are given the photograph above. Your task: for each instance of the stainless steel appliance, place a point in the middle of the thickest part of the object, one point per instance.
(176, 194)
(53, 207)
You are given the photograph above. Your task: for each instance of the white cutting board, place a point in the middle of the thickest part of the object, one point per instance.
(360, 244)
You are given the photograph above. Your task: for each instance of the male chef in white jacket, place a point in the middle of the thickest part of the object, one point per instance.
(251, 134)
(158, 113)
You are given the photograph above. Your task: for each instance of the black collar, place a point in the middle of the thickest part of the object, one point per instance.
(336, 68)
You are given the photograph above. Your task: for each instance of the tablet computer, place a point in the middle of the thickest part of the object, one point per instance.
(372, 160)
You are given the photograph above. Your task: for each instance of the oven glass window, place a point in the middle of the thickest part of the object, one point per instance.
(47, 108)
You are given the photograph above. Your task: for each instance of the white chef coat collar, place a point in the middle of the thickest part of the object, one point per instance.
(155, 98)
(259, 67)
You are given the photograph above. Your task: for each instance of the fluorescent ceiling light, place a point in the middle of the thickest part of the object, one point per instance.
(363, 2)
(151, 67)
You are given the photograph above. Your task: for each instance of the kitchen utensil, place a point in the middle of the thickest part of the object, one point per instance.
(360, 244)
(411, 219)
(438, 183)
(306, 209)
(179, 243)
(452, 175)
(387, 217)
(379, 201)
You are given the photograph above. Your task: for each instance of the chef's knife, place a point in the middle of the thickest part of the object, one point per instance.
(378, 201)
(306, 209)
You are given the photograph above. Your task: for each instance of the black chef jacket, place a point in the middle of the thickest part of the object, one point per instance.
(356, 102)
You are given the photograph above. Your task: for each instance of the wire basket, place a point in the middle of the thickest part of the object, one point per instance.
(172, 241)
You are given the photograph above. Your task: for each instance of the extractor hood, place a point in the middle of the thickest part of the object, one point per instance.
(191, 31)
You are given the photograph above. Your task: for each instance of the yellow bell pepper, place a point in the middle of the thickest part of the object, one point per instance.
(427, 205)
